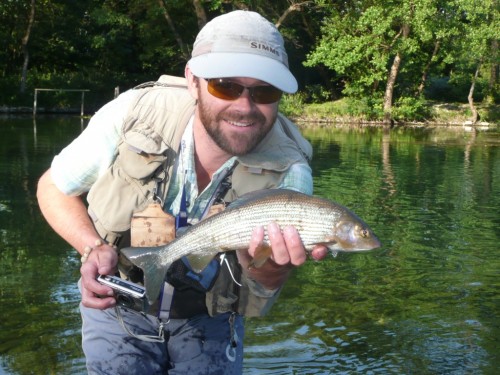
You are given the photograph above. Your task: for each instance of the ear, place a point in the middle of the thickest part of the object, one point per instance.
(192, 82)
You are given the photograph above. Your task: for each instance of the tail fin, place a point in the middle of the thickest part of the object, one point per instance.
(148, 260)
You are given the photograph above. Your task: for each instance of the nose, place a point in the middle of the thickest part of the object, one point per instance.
(244, 101)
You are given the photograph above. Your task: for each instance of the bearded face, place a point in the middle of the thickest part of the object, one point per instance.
(236, 126)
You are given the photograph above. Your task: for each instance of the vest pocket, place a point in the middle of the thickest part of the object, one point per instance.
(138, 164)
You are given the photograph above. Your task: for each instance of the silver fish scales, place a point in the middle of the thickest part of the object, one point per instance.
(318, 221)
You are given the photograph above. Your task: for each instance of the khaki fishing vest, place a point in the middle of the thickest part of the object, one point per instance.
(146, 154)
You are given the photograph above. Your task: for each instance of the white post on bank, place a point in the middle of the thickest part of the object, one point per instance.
(35, 101)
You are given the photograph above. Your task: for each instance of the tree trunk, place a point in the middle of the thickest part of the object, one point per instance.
(425, 73)
(292, 8)
(389, 89)
(201, 16)
(493, 72)
(391, 81)
(182, 46)
(470, 98)
(24, 43)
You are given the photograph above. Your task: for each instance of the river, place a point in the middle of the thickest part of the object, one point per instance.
(427, 302)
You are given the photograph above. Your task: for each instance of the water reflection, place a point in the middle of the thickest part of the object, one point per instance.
(38, 333)
(414, 306)
(388, 175)
(43, 120)
(427, 302)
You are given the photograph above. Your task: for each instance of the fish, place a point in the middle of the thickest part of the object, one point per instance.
(319, 221)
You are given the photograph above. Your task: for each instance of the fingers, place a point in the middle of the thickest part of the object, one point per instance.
(319, 252)
(287, 247)
(256, 240)
(296, 250)
(95, 295)
(286, 244)
(287, 251)
(278, 244)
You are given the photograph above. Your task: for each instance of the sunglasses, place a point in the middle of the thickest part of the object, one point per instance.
(226, 89)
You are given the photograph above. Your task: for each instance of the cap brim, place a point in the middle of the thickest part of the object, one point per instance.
(223, 65)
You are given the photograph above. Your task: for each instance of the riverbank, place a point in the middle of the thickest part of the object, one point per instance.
(437, 114)
(329, 113)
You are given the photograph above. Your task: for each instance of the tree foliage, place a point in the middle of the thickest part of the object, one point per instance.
(385, 51)
(369, 42)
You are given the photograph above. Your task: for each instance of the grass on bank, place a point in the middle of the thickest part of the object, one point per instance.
(406, 110)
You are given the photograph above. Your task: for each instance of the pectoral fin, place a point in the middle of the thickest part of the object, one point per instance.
(262, 254)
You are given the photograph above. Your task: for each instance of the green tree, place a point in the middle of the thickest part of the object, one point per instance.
(370, 43)
(475, 55)
(14, 21)
(382, 53)
(24, 43)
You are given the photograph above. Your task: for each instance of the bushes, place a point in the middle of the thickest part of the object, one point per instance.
(405, 109)
(346, 109)
(411, 109)
(292, 105)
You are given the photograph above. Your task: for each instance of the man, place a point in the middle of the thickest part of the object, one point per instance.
(165, 143)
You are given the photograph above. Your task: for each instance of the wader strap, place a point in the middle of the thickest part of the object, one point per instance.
(233, 339)
(236, 285)
(148, 338)
(181, 220)
(166, 298)
(223, 185)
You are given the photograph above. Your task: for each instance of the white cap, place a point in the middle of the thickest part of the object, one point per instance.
(242, 44)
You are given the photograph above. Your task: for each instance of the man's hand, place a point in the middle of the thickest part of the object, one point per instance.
(287, 252)
(67, 215)
(101, 261)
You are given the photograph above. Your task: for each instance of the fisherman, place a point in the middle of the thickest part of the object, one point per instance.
(184, 145)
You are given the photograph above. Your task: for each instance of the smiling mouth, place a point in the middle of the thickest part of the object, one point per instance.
(240, 124)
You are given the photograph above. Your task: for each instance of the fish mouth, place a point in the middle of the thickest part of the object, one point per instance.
(338, 245)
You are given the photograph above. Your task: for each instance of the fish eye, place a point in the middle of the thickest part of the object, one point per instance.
(365, 233)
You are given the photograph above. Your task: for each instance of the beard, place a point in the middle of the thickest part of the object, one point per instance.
(234, 143)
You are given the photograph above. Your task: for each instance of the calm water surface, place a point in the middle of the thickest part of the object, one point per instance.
(427, 302)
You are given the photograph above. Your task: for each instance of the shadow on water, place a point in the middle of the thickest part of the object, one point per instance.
(427, 302)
